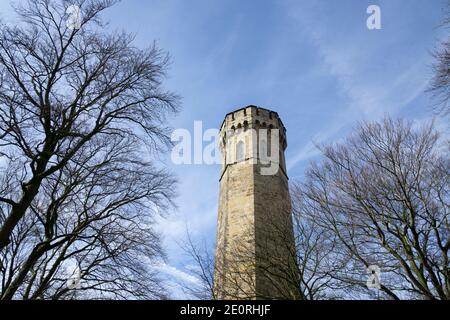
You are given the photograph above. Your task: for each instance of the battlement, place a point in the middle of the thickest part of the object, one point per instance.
(252, 116)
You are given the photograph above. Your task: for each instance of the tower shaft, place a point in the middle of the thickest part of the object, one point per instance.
(255, 251)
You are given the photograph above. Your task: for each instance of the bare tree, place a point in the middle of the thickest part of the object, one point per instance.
(80, 112)
(202, 262)
(316, 254)
(383, 195)
(440, 83)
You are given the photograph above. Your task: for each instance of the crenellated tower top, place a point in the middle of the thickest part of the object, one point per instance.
(246, 135)
(256, 118)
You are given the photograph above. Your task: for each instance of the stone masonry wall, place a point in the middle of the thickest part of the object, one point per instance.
(255, 246)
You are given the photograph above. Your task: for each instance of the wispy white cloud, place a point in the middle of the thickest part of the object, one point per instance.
(366, 96)
(177, 280)
(177, 274)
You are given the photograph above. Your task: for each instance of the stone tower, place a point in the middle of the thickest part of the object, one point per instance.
(255, 251)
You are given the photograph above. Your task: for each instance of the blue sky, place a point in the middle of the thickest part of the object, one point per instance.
(314, 62)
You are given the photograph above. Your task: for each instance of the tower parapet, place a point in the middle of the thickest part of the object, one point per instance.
(255, 128)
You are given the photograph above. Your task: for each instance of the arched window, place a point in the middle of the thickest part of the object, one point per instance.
(240, 151)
